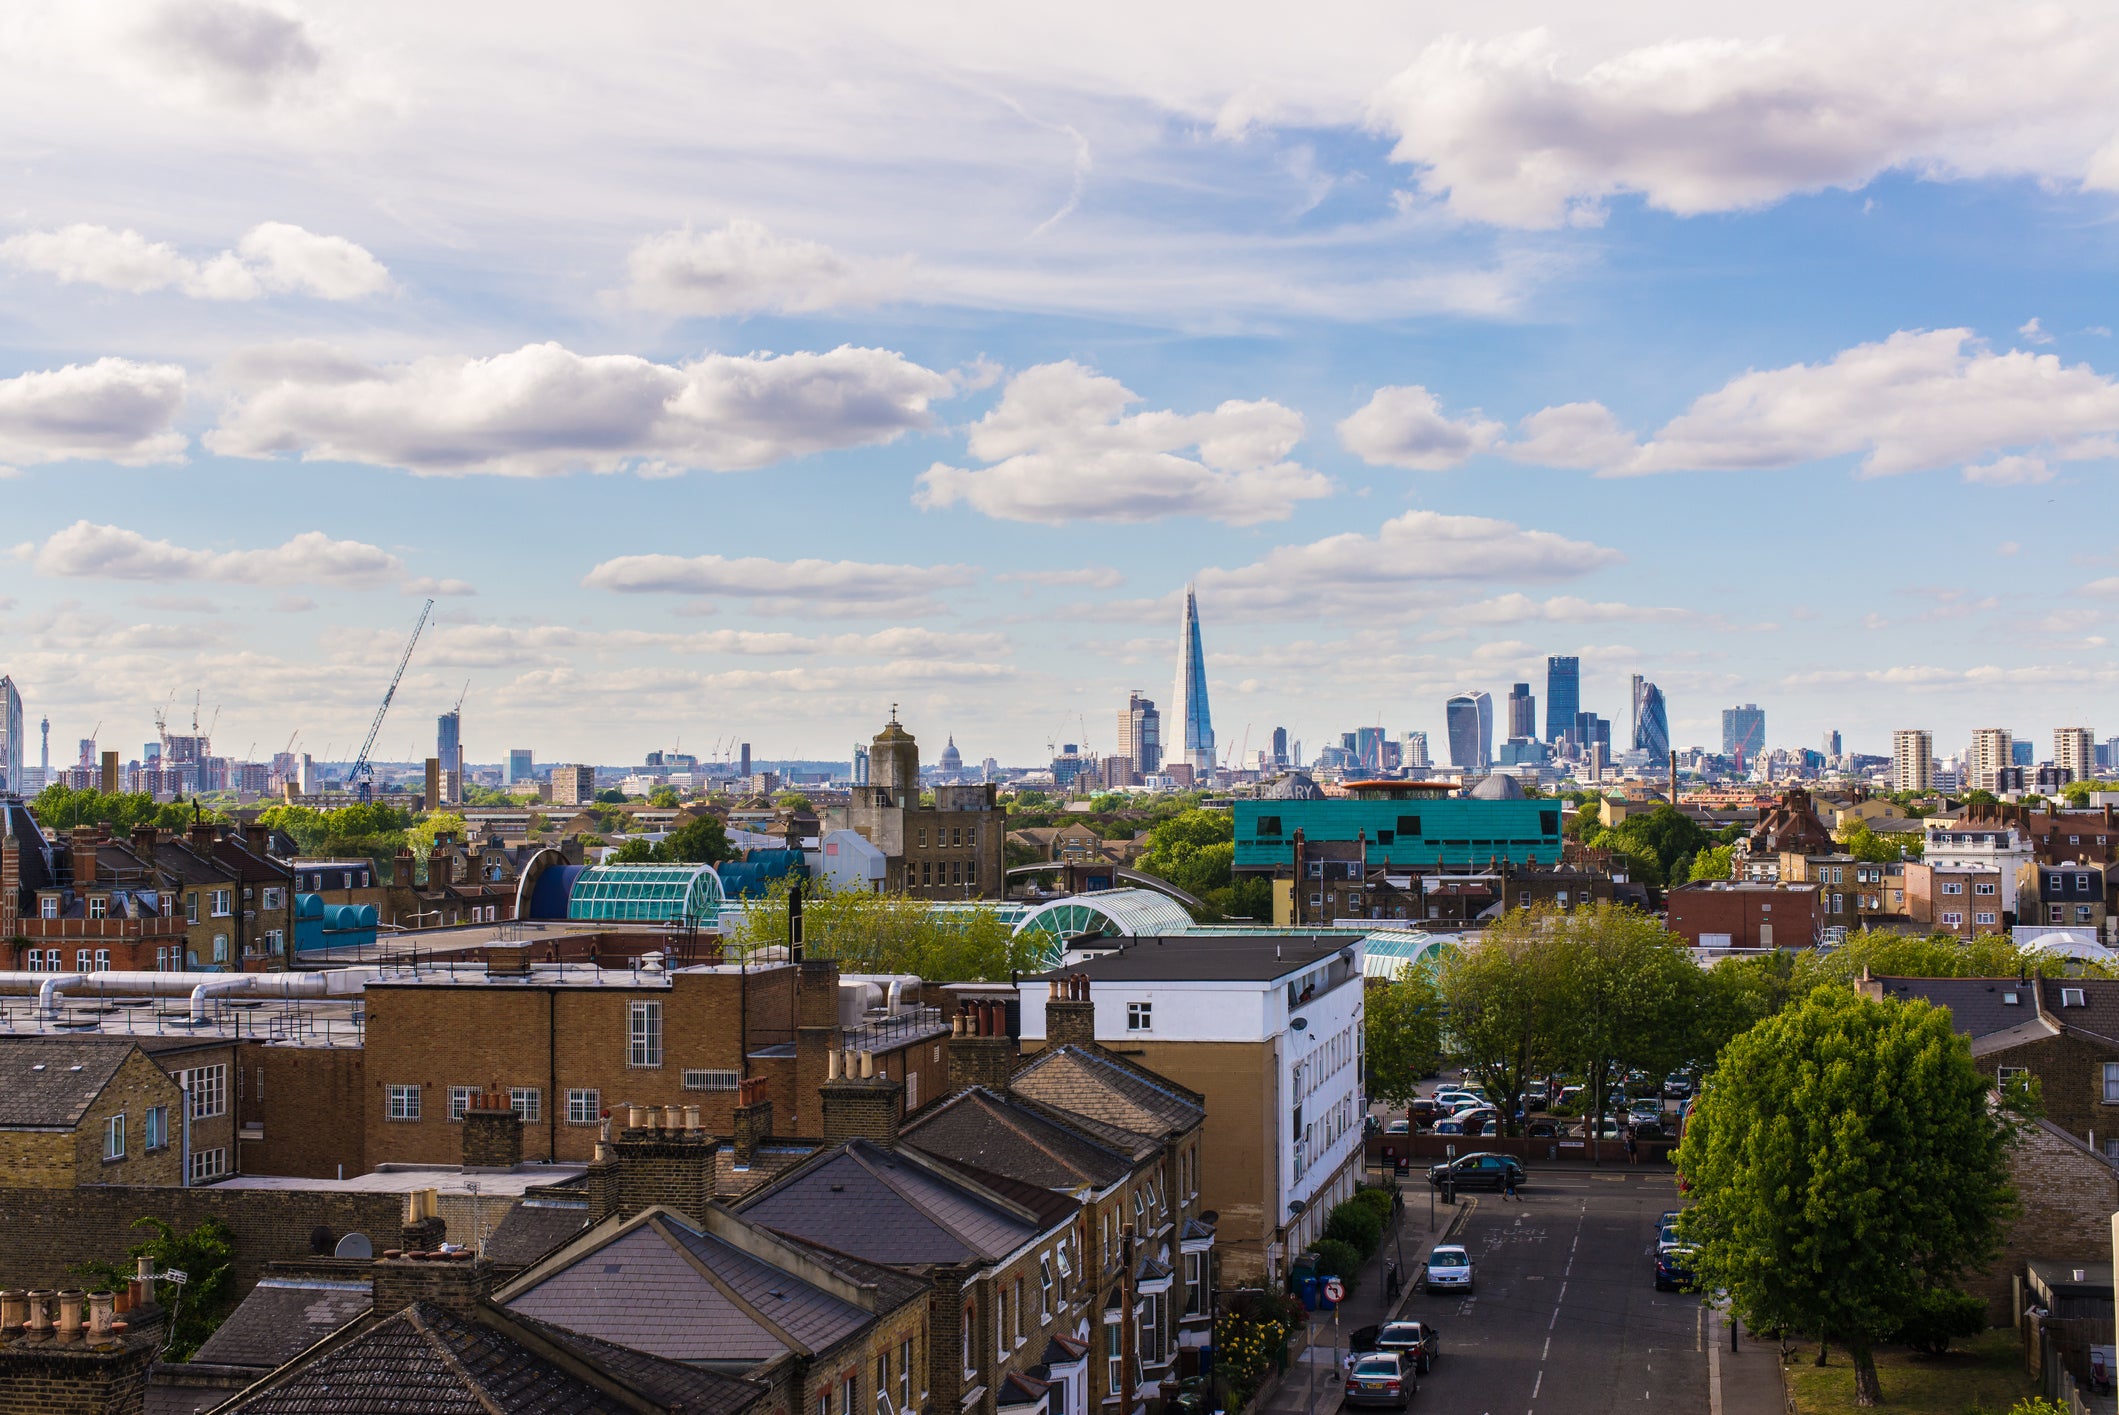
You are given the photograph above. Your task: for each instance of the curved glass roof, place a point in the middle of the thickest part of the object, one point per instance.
(647, 894)
(1110, 913)
(1387, 953)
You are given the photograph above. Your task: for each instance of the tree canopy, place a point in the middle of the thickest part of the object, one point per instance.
(888, 933)
(60, 808)
(1196, 851)
(1844, 1164)
(1402, 1034)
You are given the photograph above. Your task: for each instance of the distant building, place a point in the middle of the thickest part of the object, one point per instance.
(1195, 721)
(859, 773)
(1522, 713)
(1140, 734)
(2021, 753)
(1470, 719)
(1993, 752)
(1414, 753)
(1402, 825)
(573, 785)
(449, 742)
(1912, 760)
(2075, 753)
(11, 738)
(1368, 747)
(1651, 722)
(1280, 746)
(1725, 914)
(1592, 732)
(1831, 744)
(952, 849)
(1563, 695)
(1743, 732)
(521, 766)
(952, 760)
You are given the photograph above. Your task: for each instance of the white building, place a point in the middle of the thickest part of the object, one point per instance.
(1981, 846)
(1912, 760)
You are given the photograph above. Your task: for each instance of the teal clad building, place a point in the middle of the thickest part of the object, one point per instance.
(1408, 825)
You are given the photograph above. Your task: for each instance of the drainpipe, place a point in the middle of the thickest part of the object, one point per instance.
(215, 988)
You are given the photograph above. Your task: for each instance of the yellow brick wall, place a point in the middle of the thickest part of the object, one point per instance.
(139, 1085)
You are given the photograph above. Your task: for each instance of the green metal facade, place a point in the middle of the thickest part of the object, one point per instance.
(1407, 833)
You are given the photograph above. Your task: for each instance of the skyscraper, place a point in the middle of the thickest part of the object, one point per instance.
(448, 741)
(1522, 713)
(2075, 752)
(1140, 734)
(1195, 722)
(1470, 719)
(1831, 744)
(1414, 754)
(1563, 695)
(1743, 730)
(1368, 747)
(1992, 749)
(521, 765)
(1280, 746)
(10, 736)
(1651, 721)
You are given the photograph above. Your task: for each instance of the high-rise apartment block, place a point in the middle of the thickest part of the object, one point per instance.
(1140, 734)
(1522, 713)
(1280, 746)
(449, 741)
(1912, 760)
(1993, 750)
(1414, 754)
(1744, 731)
(521, 765)
(2075, 752)
(573, 785)
(1563, 695)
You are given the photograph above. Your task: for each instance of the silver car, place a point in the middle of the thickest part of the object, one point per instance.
(1449, 1268)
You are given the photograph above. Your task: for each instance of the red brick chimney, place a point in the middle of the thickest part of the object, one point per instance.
(85, 839)
(144, 838)
(1070, 1017)
(257, 839)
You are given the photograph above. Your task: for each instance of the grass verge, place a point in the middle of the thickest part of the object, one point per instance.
(1985, 1373)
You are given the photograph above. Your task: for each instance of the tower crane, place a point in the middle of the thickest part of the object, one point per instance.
(362, 777)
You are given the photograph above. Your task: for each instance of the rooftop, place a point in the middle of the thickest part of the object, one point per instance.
(1212, 958)
(410, 1178)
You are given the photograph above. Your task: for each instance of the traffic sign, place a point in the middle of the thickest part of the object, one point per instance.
(1334, 1290)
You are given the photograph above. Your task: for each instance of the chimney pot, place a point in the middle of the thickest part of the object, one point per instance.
(831, 1063)
(70, 1304)
(636, 1117)
(691, 1119)
(868, 1065)
(14, 1309)
(40, 1312)
(102, 1306)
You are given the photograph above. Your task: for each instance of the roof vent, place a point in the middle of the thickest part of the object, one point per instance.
(76, 1067)
(38, 1067)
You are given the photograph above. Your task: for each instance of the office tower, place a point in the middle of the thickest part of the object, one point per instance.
(1522, 713)
(1280, 746)
(10, 736)
(307, 782)
(1194, 737)
(1470, 719)
(1140, 734)
(860, 764)
(2020, 752)
(1992, 750)
(1415, 752)
(86, 746)
(1744, 731)
(1912, 760)
(1563, 695)
(1651, 721)
(2075, 752)
(448, 741)
(1591, 730)
(743, 766)
(1368, 747)
(521, 766)
(1832, 745)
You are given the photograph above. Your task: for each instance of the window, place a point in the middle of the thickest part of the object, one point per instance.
(401, 1103)
(2111, 1083)
(223, 903)
(2005, 1074)
(2082, 913)
(1983, 887)
(191, 908)
(154, 1133)
(1044, 1287)
(83, 960)
(220, 948)
(526, 1101)
(208, 1164)
(970, 1314)
(98, 906)
(48, 906)
(1953, 920)
(2072, 997)
(584, 1107)
(1140, 1016)
(1195, 1284)
(2082, 884)
(883, 1384)
(460, 1100)
(1408, 825)
(208, 1088)
(1951, 886)
(709, 1080)
(905, 1374)
(272, 898)
(849, 1392)
(1000, 1324)
(1018, 1311)
(923, 837)
(1113, 1381)
(646, 1034)
(1984, 917)
(114, 1137)
(824, 1402)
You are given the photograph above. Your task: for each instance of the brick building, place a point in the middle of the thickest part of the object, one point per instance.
(952, 849)
(2072, 893)
(76, 1112)
(1744, 914)
(2051, 833)
(1963, 900)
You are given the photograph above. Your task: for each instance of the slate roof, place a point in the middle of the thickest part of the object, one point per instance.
(533, 1228)
(427, 1361)
(17, 820)
(771, 1159)
(891, 1207)
(283, 1317)
(50, 1082)
(1191, 958)
(1975, 1005)
(1082, 1081)
(656, 1285)
(2101, 996)
(993, 1132)
(695, 1390)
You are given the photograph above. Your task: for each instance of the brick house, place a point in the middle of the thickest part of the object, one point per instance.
(77, 1111)
(2053, 834)
(1745, 914)
(1962, 900)
(89, 905)
(2069, 892)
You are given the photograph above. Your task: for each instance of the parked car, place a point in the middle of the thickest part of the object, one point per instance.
(1650, 1130)
(1379, 1381)
(1422, 1110)
(1673, 1269)
(1418, 1342)
(1449, 1269)
(1398, 1127)
(1606, 1129)
(1677, 1086)
(1666, 1238)
(1543, 1130)
(1477, 1171)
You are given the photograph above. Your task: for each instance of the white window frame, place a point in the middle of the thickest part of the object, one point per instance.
(644, 1034)
(1140, 1016)
(223, 904)
(527, 1102)
(208, 1164)
(2111, 1083)
(401, 1103)
(460, 1100)
(711, 1079)
(206, 1090)
(584, 1107)
(98, 906)
(48, 907)
(114, 1137)
(154, 1128)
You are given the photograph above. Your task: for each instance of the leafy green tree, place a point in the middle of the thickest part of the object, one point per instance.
(1402, 1034)
(886, 933)
(59, 807)
(429, 828)
(612, 797)
(634, 852)
(1504, 1005)
(701, 840)
(1865, 844)
(1922, 956)
(203, 1255)
(1715, 862)
(792, 801)
(663, 798)
(1664, 834)
(1629, 994)
(1844, 1162)
(1195, 851)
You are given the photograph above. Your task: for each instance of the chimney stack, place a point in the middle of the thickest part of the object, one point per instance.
(492, 1132)
(859, 1104)
(981, 1053)
(257, 839)
(1070, 1017)
(753, 1119)
(662, 1156)
(144, 840)
(85, 839)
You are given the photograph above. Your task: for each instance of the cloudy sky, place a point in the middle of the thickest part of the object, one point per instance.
(742, 370)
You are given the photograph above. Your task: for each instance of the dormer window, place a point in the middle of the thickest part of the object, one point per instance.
(2072, 997)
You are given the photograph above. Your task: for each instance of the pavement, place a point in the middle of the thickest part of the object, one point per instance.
(1564, 1316)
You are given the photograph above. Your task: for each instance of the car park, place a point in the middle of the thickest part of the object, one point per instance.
(1673, 1269)
(1449, 1269)
(1418, 1342)
(1606, 1129)
(1543, 1130)
(1379, 1381)
(1477, 1171)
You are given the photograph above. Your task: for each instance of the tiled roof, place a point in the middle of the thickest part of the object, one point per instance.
(534, 1228)
(2100, 1012)
(282, 1318)
(51, 1082)
(694, 1390)
(888, 1207)
(1085, 1082)
(1977, 1006)
(993, 1132)
(656, 1285)
(427, 1361)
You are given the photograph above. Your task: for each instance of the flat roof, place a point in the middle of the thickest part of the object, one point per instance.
(409, 1178)
(1258, 958)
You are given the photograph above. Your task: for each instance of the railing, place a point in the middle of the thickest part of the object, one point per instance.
(884, 1033)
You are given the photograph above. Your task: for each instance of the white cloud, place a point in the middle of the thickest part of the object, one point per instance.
(86, 550)
(2033, 332)
(2010, 471)
(1510, 131)
(1406, 427)
(1407, 556)
(1562, 609)
(111, 410)
(1578, 435)
(440, 589)
(846, 588)
(1096, 577)
(272, 257)
(743, 268)
(1063, 448)
(248, 55)
(544, 410)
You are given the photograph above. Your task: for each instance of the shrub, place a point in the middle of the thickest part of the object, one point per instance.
(1356, 1225)
(1337, 1259)
(1943, 1314)
(1378, 1200)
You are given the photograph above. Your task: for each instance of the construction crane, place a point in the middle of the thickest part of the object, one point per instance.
(362, 777)
(461, 696)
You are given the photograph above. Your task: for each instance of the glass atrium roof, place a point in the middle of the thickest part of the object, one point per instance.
(1111, 913)
(1388, 953)
(647, 894)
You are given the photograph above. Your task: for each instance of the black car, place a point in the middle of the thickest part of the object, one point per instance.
(1419, 1342)
(1672, 1270)
(1481, 1171)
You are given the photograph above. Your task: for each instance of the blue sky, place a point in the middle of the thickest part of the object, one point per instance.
(743, 374)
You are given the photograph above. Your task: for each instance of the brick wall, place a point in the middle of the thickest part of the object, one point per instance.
(868, 1107)
(2066, 1196)
(138, 1085)
(2070, 1072)
(50, 1377)
(310, 1102)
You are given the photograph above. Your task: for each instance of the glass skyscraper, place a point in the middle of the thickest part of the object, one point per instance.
(1563, 695)
(448, 741)
(1195, 722)
(1651, 721)
(10, 737)
(1470, 719)
(1744, 730)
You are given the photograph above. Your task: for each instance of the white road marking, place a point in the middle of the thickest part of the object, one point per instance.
(1547, 1351)
(1534, 1385)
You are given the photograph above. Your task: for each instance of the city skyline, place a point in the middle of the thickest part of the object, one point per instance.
(821, 405)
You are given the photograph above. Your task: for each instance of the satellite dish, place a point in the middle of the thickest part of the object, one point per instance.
(354, 1245)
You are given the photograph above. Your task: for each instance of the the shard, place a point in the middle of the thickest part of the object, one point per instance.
(1194, 722)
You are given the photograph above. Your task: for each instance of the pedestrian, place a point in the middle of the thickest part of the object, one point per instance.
(1633, 1147)
(1508, 1185)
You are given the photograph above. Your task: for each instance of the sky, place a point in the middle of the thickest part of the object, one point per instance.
(739, 372)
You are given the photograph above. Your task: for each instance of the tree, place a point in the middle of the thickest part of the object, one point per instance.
(1402, 1032)
(421, 837)
(1865, 844)
(1844, 1163)
(1195, 851)
(636, 851)
(1503, 1006)
(612, 797)
(700, 840)
(203, 1255)
(1628, 994)
(792, 801)
(663, 798)
(60, 807)
(1715, 862)
(887, 933)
